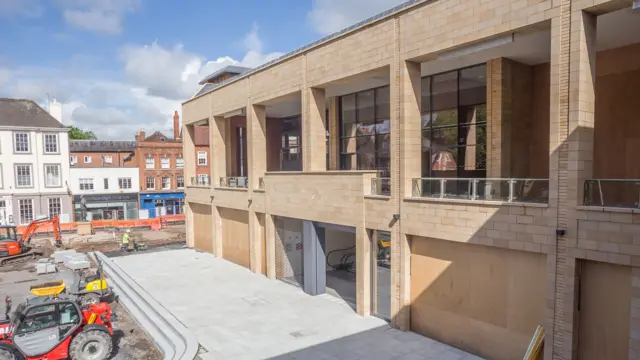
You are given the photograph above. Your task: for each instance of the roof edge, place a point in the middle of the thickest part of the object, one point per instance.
(385, 15)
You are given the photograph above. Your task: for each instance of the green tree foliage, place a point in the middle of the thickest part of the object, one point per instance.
(79, 134)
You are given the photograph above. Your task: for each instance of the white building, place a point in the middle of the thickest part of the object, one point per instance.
(105, 193)
(34, 164)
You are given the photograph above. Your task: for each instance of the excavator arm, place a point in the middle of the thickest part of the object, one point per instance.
(36, 224)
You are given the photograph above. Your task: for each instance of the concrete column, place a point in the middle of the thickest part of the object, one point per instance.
(216, 221)
(188, 223)
(314, 153)
(270, 235)
(363, 271)
(217, 133)
(314, 260)
(408, 101)
(334, 133)
(189, 154)
(257, 143)
(255, 242)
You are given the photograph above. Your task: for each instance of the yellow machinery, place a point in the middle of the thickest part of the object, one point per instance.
(86, 290)
(52, 289)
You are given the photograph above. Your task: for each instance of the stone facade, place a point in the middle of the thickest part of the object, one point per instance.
(399, 45)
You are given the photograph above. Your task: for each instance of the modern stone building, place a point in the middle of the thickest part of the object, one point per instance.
(34, 164)
(465, 169)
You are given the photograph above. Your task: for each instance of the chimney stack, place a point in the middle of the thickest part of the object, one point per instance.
(140, 136)
(55, 109)
(176, 125)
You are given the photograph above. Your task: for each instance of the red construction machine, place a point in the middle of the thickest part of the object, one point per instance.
(57, 329)
(14, 246)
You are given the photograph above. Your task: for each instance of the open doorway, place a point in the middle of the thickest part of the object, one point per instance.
(340, 255)
(381, 274)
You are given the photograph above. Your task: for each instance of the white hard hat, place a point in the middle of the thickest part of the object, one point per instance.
(128, 230)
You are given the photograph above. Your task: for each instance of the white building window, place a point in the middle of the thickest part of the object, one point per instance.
(151, 182)
(203, 179)
(108, 159)
(52, 176)
(55, 207)
(164, 163)
(179, 162)
(25, 207)
(86, 184)
(150, 162)
(180, 182)
(23, 176)
(21, 142)
(202, 158)
(166, 182)
(106, 183)
(73, 160)
(87, 159)
(50, 143)
(124, 183)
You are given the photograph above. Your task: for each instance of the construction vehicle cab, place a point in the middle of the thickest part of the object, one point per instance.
(56, 330)
(13, 246)
(10, 242)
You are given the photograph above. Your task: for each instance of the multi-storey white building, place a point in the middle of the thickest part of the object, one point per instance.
(34, 164)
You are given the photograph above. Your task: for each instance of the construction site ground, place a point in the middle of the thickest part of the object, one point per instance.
(130, 342)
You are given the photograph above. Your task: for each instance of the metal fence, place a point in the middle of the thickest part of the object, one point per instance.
(381, 186)
(234, 182)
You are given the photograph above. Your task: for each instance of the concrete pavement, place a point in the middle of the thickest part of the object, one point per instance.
(236, 314)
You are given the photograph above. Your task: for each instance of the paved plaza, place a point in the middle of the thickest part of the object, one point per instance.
(236, 314)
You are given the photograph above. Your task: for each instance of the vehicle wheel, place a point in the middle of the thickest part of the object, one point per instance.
(89, 299)
(90, 345)
(10, 355)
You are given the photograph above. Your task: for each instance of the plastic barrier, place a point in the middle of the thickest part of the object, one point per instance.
(154, 224)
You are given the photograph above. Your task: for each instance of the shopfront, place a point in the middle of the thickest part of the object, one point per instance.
(105, 207)
(159, 204)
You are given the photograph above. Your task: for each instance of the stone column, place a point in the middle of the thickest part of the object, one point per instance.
(218, 149)
(573, 40)
(216, 224)
(314, 147)
(257, 143)
(188, 223)
(363, 271)
(255, 242)
(270, 238)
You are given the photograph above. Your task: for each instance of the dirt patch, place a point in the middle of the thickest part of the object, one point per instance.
(130, 342)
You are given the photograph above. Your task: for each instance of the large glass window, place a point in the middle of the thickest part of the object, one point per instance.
(52, 176)
(55, 207)
(365, 131)
(26, 210)
(454, 123)
(23, 175)
(50, 143)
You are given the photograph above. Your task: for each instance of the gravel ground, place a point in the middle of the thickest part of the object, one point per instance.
(130, 342)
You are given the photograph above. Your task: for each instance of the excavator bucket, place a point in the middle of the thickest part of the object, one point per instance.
(53, 288)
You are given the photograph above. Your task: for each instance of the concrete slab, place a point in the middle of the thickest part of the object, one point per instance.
(240, 315)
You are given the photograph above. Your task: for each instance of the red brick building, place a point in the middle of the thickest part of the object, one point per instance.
(161, 165)
(203, 158)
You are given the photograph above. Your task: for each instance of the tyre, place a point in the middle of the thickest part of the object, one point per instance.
(6, 354)
(89, 299)
(90, 345)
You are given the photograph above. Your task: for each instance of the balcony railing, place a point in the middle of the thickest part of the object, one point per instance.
(261, 183)
(381, 186)
(505, 190)
(234, 182)
(622, 193)
(201, 180)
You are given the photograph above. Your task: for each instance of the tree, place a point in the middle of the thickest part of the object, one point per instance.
(79, 134)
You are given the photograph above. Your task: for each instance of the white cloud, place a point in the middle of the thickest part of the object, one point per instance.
(26, 8)
(329, 16)
(156, 81)
(174, 73)
(101, 16)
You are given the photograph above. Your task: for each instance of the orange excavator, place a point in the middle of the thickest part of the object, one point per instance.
(14, 246)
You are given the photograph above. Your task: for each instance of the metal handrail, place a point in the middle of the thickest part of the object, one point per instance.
(241, 182)
(381, 186)
(201, 180)
(475, 192)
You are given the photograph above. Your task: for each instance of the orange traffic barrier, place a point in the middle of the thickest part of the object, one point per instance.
(154, 224)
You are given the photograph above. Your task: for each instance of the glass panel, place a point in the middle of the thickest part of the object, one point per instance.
(445, 91)
(365, 107)
(428, 187)
(473, 114)
(381, 275)
(492, 190)
(425, 105)
(531, 191)
(348, 116)
(382, 104)
(442, 138)
(348, 162)
(444, 163)
(458, 188)
(445, 117)
(473, 85)
(383, 145)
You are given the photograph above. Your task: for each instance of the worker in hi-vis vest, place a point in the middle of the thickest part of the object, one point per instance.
(125, 239)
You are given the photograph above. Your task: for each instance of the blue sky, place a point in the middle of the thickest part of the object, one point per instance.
(121, 65)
